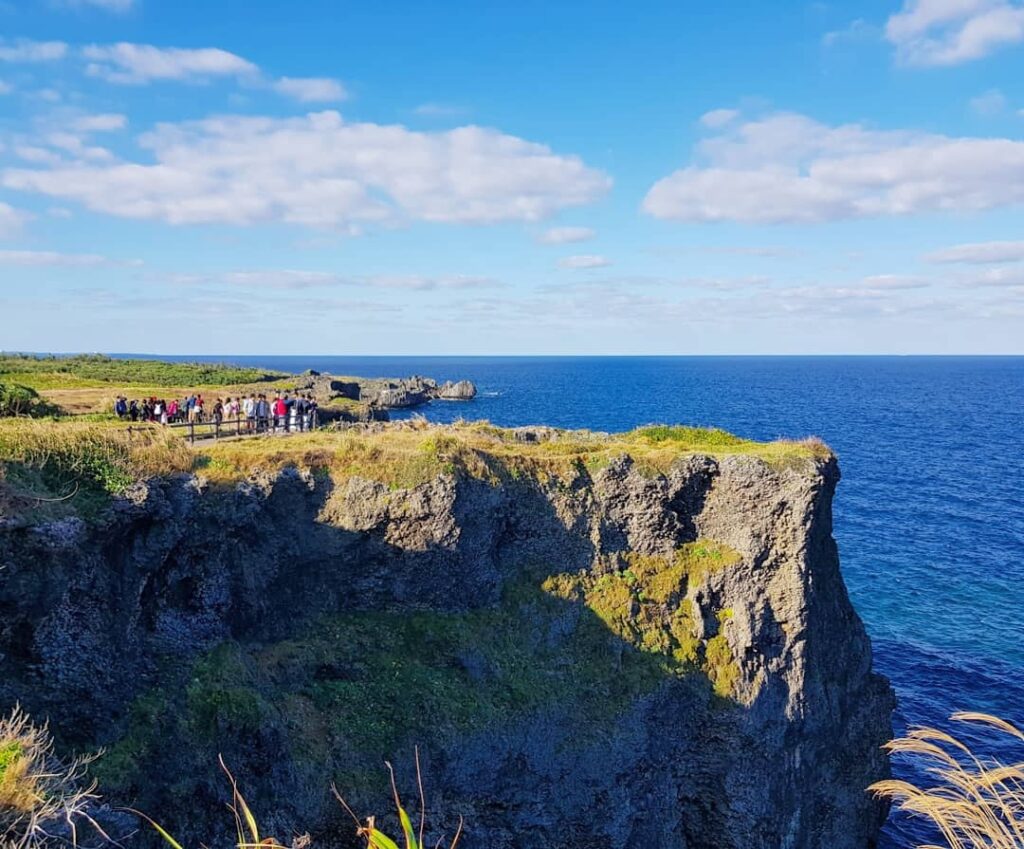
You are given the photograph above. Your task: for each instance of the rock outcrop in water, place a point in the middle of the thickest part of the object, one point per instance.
(609, 657)
(387, 393)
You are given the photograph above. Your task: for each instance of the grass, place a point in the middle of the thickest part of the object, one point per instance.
(49, 468)
(93, 370)
(37, 790)
(408, 454)
(975, 802)
(250, 836)
(45, 460)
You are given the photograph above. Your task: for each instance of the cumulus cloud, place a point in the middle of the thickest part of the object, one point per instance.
(980, 253)
(137, 64)
(318, 170)
(311, 89)
(565, 235)
(27, 51)
(950, 32)
(5, 88)
(790, 168)
(585, 261)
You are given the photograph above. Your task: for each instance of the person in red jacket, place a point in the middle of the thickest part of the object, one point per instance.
(280, 412)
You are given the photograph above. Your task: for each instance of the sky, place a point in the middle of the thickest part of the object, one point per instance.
(483, 177)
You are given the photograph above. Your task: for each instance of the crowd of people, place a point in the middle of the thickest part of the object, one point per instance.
(255, 413)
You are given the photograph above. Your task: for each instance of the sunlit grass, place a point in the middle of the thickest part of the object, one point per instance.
(37, 790)
(975, 802)
(410, 453)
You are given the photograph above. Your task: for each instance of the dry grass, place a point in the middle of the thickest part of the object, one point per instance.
(42, 800)
(976, 803)
(64, 463)
(409, 453)
(109, 457)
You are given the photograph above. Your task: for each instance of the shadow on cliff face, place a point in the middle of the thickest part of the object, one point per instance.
(308, 632)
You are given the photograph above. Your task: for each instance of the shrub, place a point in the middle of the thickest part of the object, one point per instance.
(40, 795)
(18, 400)
(977, 803)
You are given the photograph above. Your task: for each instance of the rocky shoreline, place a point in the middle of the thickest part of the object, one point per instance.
(372, 397)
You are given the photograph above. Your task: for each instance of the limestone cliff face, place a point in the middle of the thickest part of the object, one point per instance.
(577, 659)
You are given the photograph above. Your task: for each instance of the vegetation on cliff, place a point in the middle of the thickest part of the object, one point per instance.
(53, 462)
(354, 688)
(97, 370)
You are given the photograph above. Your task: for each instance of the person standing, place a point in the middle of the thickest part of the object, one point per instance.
(249, 408)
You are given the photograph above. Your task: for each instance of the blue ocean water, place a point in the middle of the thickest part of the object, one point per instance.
(929, 515)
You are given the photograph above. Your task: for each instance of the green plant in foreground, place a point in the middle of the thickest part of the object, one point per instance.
(376, 839)
(248, 831)
(978, 803)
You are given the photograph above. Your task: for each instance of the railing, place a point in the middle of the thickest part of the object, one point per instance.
(241, 427)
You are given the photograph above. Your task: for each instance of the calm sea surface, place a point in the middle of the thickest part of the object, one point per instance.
(929, 515)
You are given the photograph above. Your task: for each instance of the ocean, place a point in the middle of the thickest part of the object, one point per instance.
(929, 515)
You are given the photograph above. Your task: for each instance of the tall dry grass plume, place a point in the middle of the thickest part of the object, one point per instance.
(43, 800)
(976, 803)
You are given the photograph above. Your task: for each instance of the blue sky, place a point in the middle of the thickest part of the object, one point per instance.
(498, 178)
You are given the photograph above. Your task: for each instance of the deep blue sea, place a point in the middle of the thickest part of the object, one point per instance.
(929, 515)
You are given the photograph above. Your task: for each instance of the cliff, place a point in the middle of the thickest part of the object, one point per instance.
(595, 642)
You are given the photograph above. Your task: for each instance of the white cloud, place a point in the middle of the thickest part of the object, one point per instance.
(102, 123)
(137, 64)
(991, 103)
(11, 220)
(980, 253)
(25, 50)
(585, 261)
(5, 88)
(788, 167)
(293, 279)
(950, 32)
(858, 30)
(717, 118)
(53, 258)
(311, 89)
(318, 170)
(438, 110)
(1010, 276)
(119, 6)
(565, 235)
(894, 282)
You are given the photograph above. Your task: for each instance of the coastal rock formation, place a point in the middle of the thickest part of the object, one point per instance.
(602, 656)
(462, 390)
(387, 393)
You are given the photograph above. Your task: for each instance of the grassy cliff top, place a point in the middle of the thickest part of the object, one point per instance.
(82, 371)
(43, 462)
